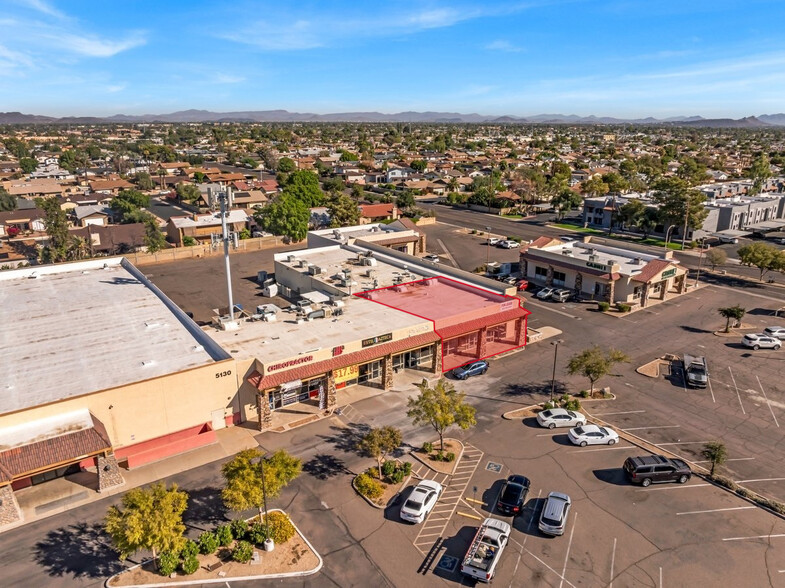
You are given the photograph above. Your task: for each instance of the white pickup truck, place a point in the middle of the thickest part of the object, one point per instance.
(486, 550)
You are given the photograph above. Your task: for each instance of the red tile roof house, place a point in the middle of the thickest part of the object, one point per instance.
(373, 213)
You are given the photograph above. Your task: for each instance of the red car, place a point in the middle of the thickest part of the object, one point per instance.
(522, 285)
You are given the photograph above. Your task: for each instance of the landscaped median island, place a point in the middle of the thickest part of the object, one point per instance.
(232, 552)
(380, 491)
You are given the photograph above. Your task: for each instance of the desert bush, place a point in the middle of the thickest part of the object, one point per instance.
(208, 543)
(585, 393)
(189, 549)
(224, 535)
(242, 552)
(427, 447)
(450, 456)
(168, 562)
(368, 486)
(388, 469)
(622, 307)
(407, 467)
(256, 534)
(190, 564)
(281, 527)
(239, 528)
(573, 404)
(603, 306)
(726, 482)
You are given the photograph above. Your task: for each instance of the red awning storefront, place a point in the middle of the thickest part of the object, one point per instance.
(487, 321)
(358, 357)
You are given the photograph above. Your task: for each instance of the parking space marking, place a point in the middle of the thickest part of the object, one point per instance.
(657, 427)
(737, 390)
(600, 449)
(767, 401)
(685, 443)
(753, 537)
(434, 526)
(708, 380)
(760, 480)
(620, 412)
(613, 560)
(679, 487)
(715, 510)
(731, 459)
(569, 545)
(551, 569)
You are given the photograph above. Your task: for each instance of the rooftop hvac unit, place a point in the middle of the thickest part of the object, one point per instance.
(430, 283)
(370, 273)
(567, 252)
(270, 290)
(592, 257)
(291, 258)
(369, 261)
(610, 262)
(337, 234)
(400, 288)
(314, 270)
(302, 263)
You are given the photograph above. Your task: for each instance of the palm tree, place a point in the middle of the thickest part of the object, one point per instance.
(716, 453)
(732, 312)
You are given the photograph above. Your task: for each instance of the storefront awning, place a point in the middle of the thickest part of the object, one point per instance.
(321, 367)
(487, 321)
(55, 449)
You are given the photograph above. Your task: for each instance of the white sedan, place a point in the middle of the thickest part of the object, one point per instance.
(593, 435)
(421, 501)
(560, 417)
(509, 244)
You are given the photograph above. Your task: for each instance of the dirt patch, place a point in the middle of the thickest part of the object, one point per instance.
(292, 556)
(443, 467)
(522, 413)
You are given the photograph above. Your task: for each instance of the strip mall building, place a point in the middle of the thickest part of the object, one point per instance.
(102, 371)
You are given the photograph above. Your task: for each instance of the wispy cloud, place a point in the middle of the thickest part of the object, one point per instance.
(43, 8)
(291, 32)
(502, 45)
(114, 88)
(93, 46)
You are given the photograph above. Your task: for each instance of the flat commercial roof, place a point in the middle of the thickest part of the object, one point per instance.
(73, 329)
(626, 259)
(284, 338)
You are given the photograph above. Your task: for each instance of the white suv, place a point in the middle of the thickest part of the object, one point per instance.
(777, 332)
(758, 340)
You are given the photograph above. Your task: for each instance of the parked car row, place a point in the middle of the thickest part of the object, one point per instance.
(503, 243)
(555, 294)
(761, 341)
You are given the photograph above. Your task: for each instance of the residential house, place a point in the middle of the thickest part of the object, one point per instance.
(112, 239)
(113, 187)
(21, 223)
(202, 227)
(373, 213)
(92, 215)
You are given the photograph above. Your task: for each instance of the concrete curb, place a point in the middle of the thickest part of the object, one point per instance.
(226, 580)
(511, 415)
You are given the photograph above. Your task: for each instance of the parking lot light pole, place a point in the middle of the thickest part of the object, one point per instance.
(553, 377)
(487, 248)
(700, 261)
(667, 233)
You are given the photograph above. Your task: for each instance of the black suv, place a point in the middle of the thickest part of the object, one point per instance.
(655, 469)
(513, 495)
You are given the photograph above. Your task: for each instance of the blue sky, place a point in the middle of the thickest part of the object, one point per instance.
(717, 58)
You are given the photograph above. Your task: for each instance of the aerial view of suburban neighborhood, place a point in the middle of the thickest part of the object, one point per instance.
(309, 295)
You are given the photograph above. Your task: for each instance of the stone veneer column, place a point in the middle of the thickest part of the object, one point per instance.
(437, 358)
(519, 331)
(265, 413)
(331, 396)
(109, 474)
(644, 294)
(611, 291)
(9, 507)
(524, 268)
(481, 342)
(387, 372)
(549, 276)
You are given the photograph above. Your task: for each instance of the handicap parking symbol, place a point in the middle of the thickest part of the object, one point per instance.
(447, 563)
(494, 467)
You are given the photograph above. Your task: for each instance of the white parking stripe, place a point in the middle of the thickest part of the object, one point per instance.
(708, 380)
(679, 487)
(551, 569)
(601, 449)
(715, 510)
(621, 412)
(753, 537)
(685, 443)
(569, 545)
(767, 402)
(737, 390)
(760, 480)
(658, 427)
(732, 459)
(613, 560)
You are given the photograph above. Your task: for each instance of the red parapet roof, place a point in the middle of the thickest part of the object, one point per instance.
(486, 321)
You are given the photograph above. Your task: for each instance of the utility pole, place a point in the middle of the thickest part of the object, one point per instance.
(553, 377)
(226, 237)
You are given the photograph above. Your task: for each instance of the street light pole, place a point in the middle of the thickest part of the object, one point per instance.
(487, 248)
(553, 377)
(700, 262)
(667, 236)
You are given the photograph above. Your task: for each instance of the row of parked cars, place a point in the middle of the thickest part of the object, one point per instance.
(503, 243)
(770, 338)
(555, 294)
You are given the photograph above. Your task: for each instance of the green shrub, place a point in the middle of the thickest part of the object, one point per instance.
(189, 549)
(573, 404)
(450, 456)
(622, 307)
(473, 231)
(388, 468)
(168, 562)
(242, 552)
(603, 306)
(585, 393)
(190, 564)
(548, 405)
(256, 534)
(726, 482)
(396, 477)
(188, 241)
(239, 528)
(427, 447)
(208, 543)
(281, 527)
(439, 455)
(564, 397)
(407, 467)
(224, 535)
(368, 487)
(745, 493)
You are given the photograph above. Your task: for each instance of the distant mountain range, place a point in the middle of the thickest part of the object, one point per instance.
(188, 116)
